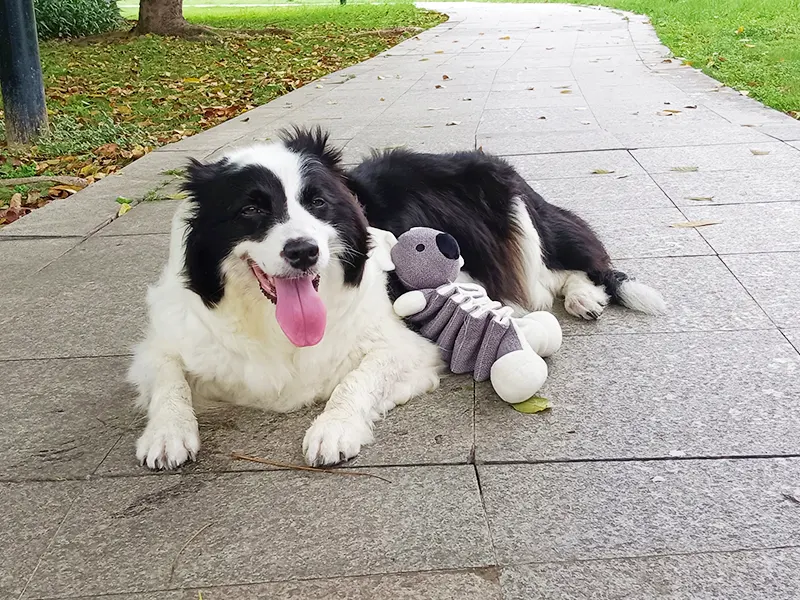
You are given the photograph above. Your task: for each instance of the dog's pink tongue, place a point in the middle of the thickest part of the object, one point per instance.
(300, 311)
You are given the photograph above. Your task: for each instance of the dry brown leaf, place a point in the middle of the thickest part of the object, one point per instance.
(445, 77)
(506, 37)
(16, 201)
(450, 123)
(695, 224)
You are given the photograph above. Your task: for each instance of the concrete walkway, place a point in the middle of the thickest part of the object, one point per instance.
(669, 466)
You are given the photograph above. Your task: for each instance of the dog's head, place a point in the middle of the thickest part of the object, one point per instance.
(281, 215)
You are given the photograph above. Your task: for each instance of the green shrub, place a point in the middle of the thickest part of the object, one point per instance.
(75, 18)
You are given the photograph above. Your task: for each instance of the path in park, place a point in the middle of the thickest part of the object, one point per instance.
(669, 466)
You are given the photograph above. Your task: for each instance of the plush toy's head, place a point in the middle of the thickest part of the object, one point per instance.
(425, 258)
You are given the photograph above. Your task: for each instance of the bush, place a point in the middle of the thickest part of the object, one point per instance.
(75, 18)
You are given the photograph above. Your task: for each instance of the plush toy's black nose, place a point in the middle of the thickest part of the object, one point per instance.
(447, 245)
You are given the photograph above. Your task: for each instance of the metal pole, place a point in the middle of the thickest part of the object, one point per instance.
(21, 73)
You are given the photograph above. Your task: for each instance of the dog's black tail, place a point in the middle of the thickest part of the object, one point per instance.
(630, 293)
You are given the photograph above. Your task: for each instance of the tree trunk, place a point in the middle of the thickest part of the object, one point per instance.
(164, 17)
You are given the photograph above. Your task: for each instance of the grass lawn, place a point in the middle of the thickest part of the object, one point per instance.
(113, 98)
(751, 45)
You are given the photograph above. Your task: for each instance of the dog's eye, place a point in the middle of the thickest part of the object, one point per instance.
(420, 247)
(251, 210)
(317, 202)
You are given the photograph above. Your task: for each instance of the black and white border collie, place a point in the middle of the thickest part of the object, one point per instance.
(270, 298)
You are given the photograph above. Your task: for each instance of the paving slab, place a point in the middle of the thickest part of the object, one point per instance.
(644, 396)
(731, 187)
(255, 527)
(745, 575)
(144, 218)
(772, 280)
(434, 429)
(645, 233)
(602, 192)
(793, 335)
(745, 228)
(59, 418)
(580, 511)
(700, 292)
(568, 165)
(21, 257)
(474, 584)
(30, 518)
(722, 157)
(89, 302)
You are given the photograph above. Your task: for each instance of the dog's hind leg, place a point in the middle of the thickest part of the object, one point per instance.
(385, 378)
(171, 436)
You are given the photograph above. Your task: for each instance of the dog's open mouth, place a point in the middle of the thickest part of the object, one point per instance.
(298, 307)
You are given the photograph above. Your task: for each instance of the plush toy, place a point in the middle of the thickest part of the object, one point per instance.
(475, 333)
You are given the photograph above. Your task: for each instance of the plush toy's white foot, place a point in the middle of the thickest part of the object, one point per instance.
(542, 331)
(517, 376)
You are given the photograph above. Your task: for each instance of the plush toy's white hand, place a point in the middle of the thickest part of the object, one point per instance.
(409, 304)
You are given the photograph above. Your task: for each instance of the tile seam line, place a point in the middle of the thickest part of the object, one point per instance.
(459, 465)
(194, 587)
(635, 557)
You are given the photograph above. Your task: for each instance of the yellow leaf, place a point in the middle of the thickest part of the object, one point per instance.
(740, 31)
(694, 224)
(506, 37)
(123, 208)
(532, 405)
(191, 80)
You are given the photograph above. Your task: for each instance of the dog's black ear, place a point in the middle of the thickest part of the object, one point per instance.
(199, 175)
(313, 142)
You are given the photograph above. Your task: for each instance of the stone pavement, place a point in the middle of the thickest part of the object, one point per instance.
(669, 466)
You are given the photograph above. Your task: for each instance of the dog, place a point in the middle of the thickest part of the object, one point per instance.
(267, 254)
(270, 297)
(523, 250)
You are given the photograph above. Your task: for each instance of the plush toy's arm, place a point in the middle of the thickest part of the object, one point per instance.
(410, 303)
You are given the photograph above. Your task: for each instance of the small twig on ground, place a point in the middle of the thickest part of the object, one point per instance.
(61, 179)
(281, 465)
(189, 541)
(388, 32)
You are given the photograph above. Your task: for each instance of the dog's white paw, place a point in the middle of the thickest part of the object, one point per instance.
(168, 444)
(587, 302)
(333, 438)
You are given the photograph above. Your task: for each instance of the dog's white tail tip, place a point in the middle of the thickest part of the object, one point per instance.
(641, 297)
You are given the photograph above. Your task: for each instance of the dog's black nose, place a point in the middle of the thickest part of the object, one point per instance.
(447, 245)
(301, 253)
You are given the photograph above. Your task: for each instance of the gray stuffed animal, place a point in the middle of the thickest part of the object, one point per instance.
(474, 333)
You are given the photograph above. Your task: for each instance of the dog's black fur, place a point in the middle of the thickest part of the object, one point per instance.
(470, 195)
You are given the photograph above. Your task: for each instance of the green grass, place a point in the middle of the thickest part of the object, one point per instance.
(112, 98)
(751, 45)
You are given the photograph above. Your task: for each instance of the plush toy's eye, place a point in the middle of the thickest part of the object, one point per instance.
(420, 247)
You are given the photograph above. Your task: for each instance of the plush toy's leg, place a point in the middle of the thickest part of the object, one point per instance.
(518, 373)
(542, 331)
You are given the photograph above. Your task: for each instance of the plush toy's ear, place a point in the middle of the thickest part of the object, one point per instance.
(382, 242)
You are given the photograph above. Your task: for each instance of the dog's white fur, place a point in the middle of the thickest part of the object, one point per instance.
(367, 363)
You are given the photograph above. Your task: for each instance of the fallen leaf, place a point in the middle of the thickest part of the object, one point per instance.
(506, 37)
(123, 200)
(694, 224)
(423, 59)
(740, 30)
(445, 77)
(123, 209)
(449, 123)
(671, 110)
(542, 118)
(177, 196)
(16, 201)
(381, 77)
(601, 172)
(561, 87)
(623, 176)
(550, 48)
(532, 405)
(760, 152)
(744, 92)
(685, 169)
(530, 89)
(586, 122)
(109, 149)
(466, 99)
(566, 91)
(382, 99)
(793, 496)
(749, 45)
(690, 106)
(700, 198)
(438, 87)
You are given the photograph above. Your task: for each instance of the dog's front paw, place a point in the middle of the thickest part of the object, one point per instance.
(333, 438)
(168, 444)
